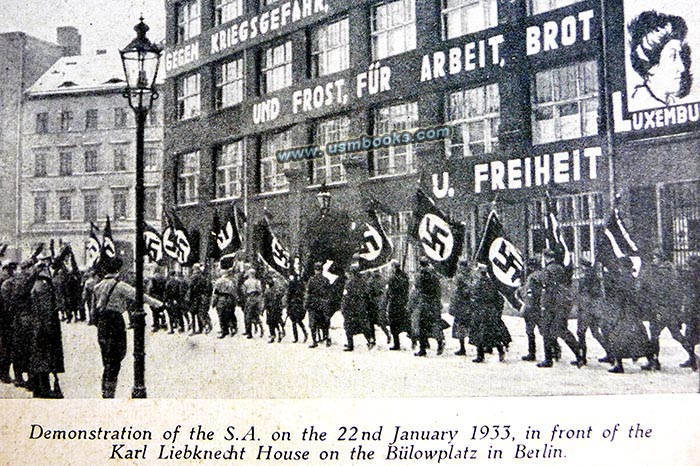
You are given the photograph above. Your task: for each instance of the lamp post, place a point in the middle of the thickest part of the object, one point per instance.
(140, 60)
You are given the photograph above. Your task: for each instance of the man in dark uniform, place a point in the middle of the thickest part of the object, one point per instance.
(377, 312)
(112, 298)
(156, 288)
(174, 299)
(317, 302)
(486, 327)
(252, 288)
(355, 308)
(661, 296)
(295, 306)
(530, 294)
(224, 301)
(46, 355)
(590, 305)
(273, 303)
(556, 303)
(16, 294)
(428, 308)
(199, 291)
(7, 313)
(460, 305)
(396, 303)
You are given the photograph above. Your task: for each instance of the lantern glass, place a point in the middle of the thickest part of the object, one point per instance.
(140, 60)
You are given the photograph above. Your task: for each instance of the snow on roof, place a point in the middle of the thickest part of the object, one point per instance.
(82, 73)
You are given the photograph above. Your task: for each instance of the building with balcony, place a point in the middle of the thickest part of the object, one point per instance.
(78, 157)
(538, 95)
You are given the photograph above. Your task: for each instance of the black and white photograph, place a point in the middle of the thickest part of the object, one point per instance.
(455, 201)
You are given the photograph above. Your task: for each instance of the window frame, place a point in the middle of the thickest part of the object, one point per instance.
(92, 119)
(65, 163)
(339, 133)
(41, 169)
(120, 155)
(410, 41)
(187, 26)
(187, 183)
(65, 211)
(40, 199)
(391, 151)
(268, 72)
(188, 101)
(219, 8)
(66, 120)
(91, 159)
(237, 83)
(121, 195)
(462, 125)
(41, 123)
(557, 106)
(225, 170)
(268, 158)
(486, 7)
(553, 5)
(93, 196)
(318, 53)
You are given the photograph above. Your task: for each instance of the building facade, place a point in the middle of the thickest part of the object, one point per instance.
(537, 95)
(79, 156)
(28, 58)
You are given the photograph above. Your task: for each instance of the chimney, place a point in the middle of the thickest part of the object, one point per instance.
(68, 38)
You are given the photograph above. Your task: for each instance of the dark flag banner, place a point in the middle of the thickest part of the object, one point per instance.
(504, 261)
(186, 243)
(3, 249)
(616, 245)
(93, 247)
(271, 250)
(213, 251)
(108, 248)
(153, 243)
(441, 239)
(169, 241)
(554, 237)
(376, 249)
(227, 238)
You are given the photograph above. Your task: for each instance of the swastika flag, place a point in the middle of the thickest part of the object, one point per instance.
(440, 238)
(504, 261)
(271, 250)
(376, 248)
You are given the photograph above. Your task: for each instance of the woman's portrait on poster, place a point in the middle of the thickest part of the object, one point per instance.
(660, 55)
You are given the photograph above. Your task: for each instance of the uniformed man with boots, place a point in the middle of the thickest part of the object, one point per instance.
(113, 297)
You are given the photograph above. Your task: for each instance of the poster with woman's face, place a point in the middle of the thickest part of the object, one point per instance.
(662, 53)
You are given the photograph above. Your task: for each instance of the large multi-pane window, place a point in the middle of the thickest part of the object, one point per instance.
(329, 168)
(565, 103)
(188, 99)
(150, 203)
(65, 164)
(396, 159)
(120, 155)
(475, 117)
(272, 177)
(331, 48)
(188, 178)
(393, 28)
(66, 120)
(580, 217)
(460, 17)
(150, 157)
(227, 10)
(65, 207)
(188, 22)
(40, 160)
(119, 203)
(121, 117)
(90, 161)
(540, 6)
(277, 67)
(229, 170)
(91, 118)
(40, 208)
(42, 123)
(90, 207)
(229, 83)
(680, 219)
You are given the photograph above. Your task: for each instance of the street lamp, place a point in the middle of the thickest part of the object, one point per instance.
(140, 60)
